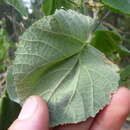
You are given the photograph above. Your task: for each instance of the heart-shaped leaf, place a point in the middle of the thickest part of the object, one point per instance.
(54, 61)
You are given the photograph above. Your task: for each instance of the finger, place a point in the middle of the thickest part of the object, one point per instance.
(33, 116)
(80, 126)
(113, 116)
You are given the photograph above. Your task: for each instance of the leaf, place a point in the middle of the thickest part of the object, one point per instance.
(123, 50)
(1, 1)
(120, 6)
(101, 27)
(2, 49)
(2, 53)
(2, 67)
(8, 112)
(55, 61)
(49, 6)
(107, 41)
(19, 6)
(11, 86)
(125, 76)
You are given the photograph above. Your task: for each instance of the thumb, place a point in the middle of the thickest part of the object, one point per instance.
(33, 116)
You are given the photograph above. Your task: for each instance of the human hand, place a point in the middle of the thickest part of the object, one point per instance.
(34, 115)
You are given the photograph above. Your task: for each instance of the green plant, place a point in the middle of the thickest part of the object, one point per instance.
(9, 111)
(60, 57)
(55, 55)
(125, 76)
(4, 46)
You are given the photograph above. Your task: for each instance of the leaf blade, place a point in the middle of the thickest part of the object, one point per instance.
(118, 6)
(66, 81)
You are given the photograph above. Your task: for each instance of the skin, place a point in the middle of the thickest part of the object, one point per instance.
(34, 115)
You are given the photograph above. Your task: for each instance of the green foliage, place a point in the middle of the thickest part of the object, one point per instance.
(55, 61)
(11, 86)
(109, 42)
(8, 112)
(120, 6)
(49, 6)
(125, 76)
(4, 46)
(106, 41)
(19, 6)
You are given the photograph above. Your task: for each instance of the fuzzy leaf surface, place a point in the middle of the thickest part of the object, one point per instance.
(54, 61)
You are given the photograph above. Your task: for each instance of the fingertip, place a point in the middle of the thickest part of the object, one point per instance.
(121, 99)
(122, 91)
(43, 108)
(34, 115)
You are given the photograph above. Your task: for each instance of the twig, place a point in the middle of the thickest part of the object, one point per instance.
(102, 19)
(112, 27)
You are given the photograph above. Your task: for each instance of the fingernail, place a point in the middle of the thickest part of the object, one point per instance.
(28, 109)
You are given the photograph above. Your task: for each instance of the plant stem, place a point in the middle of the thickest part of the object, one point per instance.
(98, 23)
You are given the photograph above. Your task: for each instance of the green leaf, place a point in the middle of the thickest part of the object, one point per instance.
(106, 41)
(109, 42)
(2, 67)
(55, 61)
(125, 76)
(49, 6)
(120, 6)
(2, 53)
(123, 50)
(4, 45)
(1, 1)
(8, 112)
(19, 6)
(11, 86)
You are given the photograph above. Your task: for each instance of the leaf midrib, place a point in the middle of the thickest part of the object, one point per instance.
(62, 34)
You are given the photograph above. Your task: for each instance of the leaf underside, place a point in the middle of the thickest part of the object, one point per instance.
(54, 61)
